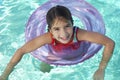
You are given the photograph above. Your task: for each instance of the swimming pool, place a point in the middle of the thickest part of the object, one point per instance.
(13, 17)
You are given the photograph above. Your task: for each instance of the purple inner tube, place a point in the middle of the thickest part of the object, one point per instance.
(89, 16)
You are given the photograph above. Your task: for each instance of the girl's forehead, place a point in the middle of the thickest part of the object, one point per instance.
(60, 20)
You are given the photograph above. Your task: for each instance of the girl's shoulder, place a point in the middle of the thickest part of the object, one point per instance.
(80, 33)
(85, 34)
(46, 38)
(95, 37)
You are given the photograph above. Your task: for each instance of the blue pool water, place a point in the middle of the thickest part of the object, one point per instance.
(13, 17)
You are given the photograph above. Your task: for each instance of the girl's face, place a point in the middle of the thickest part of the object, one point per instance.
(62, 30)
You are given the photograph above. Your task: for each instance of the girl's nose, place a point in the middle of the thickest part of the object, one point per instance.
(63, 33)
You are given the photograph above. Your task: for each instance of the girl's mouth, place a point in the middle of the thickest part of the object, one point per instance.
(64, 38)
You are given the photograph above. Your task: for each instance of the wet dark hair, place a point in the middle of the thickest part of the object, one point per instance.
(58, 11)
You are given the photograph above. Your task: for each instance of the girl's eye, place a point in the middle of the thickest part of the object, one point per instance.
(68, 26)
(56, 29)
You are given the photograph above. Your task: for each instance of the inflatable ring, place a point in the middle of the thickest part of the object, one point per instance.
(89, 16)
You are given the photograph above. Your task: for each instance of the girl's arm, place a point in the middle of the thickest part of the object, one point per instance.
(26, 48)
(107, 53)
(99, 39)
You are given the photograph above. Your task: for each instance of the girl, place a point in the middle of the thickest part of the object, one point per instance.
(60, 33)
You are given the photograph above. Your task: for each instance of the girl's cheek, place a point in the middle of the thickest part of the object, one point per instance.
(55, 34)
(70, 30)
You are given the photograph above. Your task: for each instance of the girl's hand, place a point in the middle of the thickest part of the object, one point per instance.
(2, 78)
(99, 75)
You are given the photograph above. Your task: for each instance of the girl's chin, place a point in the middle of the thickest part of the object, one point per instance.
(64, 41)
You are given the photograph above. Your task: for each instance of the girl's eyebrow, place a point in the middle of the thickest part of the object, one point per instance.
(67, 24)
(55, 27)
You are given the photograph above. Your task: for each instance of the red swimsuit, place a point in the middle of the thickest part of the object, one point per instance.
(66, 50)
